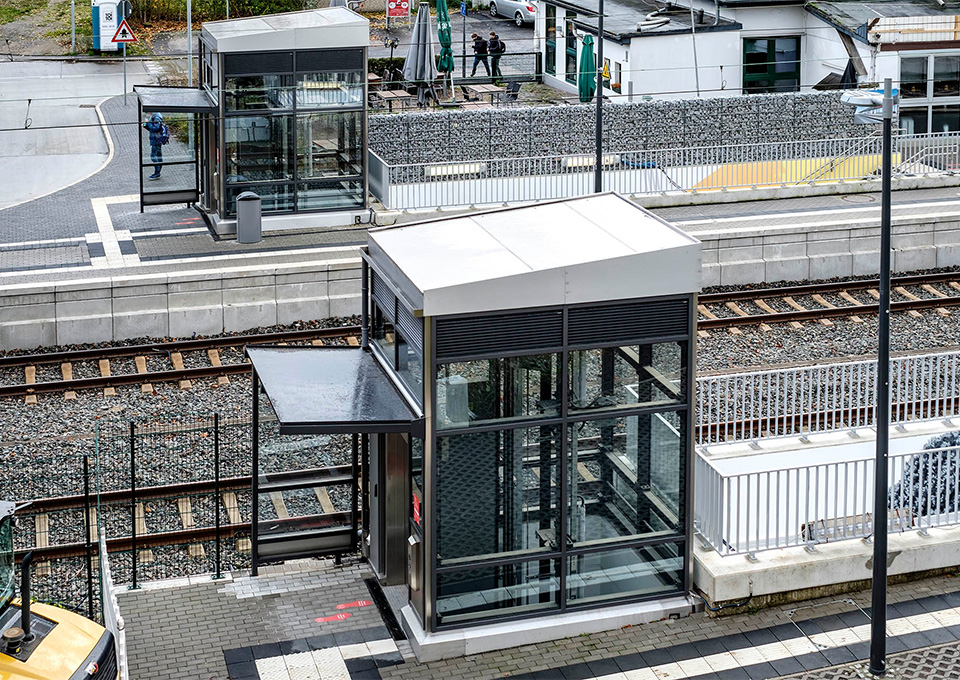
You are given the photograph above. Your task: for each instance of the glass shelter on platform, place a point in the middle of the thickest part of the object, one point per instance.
(545, 359)
(280, 110)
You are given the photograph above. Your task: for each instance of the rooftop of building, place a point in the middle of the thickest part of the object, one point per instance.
(623, 18)
(858, 17)
(590, 249)
(308, 29)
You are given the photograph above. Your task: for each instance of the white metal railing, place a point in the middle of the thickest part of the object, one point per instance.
(813, 504)
(485, 181)
(112, 620)
(784, 402)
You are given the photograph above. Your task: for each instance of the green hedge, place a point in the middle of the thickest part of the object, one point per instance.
(209, 10)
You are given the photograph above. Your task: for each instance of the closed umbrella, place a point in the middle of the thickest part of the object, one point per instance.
(445, 62)
(420, 66)
(587, 80)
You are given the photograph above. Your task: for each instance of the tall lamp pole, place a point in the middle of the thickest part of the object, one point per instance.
(597, 168)
(878, 622)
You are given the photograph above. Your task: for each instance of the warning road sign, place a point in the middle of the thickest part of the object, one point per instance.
(124, 34)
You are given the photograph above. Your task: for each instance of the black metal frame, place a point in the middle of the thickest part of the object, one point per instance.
(223, 204)
(187, 196)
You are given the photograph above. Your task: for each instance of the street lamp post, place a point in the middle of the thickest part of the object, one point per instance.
(878, 622)
(869, 103)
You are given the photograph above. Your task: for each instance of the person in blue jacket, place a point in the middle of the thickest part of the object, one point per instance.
(155, 127)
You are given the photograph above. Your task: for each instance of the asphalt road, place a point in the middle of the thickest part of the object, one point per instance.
(49, 130)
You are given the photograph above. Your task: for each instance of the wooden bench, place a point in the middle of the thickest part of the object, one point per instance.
(454, 169)
(588, 161)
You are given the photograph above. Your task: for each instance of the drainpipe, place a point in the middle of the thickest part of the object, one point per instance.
(716, 14)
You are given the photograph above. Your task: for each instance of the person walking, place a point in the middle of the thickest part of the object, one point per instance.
(479, 54)
(496, 48)
(158, 132)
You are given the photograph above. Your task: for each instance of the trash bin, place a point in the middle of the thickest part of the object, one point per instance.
(249, 228)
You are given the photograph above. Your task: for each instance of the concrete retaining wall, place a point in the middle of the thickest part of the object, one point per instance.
(823, 247)
(551, 130)
(176, 304)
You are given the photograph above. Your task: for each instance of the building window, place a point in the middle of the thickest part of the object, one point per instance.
(617, 75)
(929, 94)
(606, 73)
(571, 48)
(550, 53)
(771, 65)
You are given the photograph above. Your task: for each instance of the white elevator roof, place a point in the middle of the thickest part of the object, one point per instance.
(310, 29)
(590, 249)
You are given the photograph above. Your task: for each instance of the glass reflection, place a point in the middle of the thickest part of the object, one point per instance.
(247, 93)
(624, 478)
(493, 390)
(617, 377)
(627, 572)
(498, 493)
(504, 590)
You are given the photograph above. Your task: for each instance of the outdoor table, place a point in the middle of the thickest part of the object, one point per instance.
(390, 96)
(484, 88)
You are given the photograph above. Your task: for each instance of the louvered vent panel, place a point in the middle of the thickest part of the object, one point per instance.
(498, 334)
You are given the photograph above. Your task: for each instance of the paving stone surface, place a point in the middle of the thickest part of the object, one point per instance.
(196, 628)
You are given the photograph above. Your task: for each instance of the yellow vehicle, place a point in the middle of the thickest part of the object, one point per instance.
(40, 642)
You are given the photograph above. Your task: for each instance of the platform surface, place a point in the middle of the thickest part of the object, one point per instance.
(279, 625)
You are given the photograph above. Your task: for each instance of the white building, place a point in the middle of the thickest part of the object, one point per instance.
(734, 47)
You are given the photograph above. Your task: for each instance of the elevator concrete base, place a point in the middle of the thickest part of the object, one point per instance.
(463, 642)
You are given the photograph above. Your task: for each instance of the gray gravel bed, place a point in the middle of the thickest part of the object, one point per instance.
(815, 342)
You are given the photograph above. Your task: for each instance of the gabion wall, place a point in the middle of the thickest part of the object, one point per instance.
(550, 130)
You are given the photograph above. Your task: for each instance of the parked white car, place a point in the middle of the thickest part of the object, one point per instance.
(521, 12)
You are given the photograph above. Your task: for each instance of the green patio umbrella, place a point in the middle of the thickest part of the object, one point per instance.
(587, 80)
(445, 62)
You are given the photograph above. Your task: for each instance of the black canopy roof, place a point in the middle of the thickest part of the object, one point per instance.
(174, 99)
(330, 390)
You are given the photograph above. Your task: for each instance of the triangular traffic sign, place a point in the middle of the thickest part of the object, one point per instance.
(124, 34)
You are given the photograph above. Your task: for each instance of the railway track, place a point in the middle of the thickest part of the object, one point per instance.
(826, 301)
(171, 352)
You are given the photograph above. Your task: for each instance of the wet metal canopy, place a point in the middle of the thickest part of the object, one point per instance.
(174, 100)
(330, 390)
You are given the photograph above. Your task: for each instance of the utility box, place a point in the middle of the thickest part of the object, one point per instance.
(249, 218)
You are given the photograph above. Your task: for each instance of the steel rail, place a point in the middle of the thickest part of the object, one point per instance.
(824, 313)
(820, 288)
(96, 353)
(23, 389)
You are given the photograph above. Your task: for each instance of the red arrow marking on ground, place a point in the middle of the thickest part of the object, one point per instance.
(356, 603)
(336, 617)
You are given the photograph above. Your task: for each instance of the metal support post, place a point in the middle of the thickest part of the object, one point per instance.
(86, 536)
(598, 169)
(364, 304)
(355, 525)
(878, 622)
(189, 44)
(124, 74)
(133, 506)
(73, 26)
(228, 9)
(216, 489)
(463, 73)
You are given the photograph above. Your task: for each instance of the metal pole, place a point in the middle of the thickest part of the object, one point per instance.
(86, 536)
(73, 26)
(255, 472)
(216, 487)
(133, 506)
(189, 44)
(598, 170)
(124, 74)
(228, 9)
(464, 71)
(878, 622)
